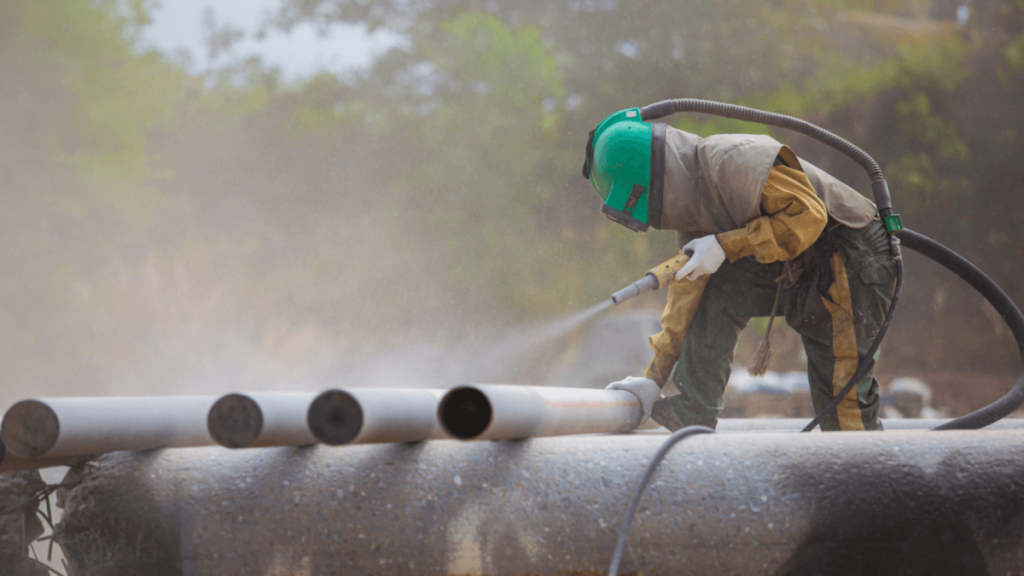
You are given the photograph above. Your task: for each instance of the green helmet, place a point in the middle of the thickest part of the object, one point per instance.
(625, 164)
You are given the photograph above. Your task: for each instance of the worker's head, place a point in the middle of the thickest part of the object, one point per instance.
(625, 164)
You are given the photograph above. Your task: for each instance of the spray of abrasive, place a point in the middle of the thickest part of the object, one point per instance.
(658, 277)
(569, 323)
(502, 357)
(521, 344)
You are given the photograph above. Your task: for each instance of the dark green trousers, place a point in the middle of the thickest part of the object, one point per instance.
(837, 307)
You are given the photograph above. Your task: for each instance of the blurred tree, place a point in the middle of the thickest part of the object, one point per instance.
(894, 76)
(80, 185)
(157, 223)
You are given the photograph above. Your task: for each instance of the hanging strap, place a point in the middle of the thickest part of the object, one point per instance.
(762, 359)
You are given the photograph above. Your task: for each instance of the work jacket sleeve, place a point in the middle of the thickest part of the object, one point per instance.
(683, 298)
(794, 218)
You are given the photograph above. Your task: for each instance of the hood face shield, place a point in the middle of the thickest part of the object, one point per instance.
(618, 166)
(624, 219)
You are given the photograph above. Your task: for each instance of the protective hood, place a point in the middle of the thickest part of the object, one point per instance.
(620, 160)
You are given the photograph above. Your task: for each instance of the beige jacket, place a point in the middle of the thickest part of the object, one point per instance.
(722, 185)
(713, 185)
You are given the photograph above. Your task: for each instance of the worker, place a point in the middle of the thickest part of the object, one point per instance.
(767, 233)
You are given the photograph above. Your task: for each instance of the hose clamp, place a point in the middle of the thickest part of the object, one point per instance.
(893, 223)
(894, 245)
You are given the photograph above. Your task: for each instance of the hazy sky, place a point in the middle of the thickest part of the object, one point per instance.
(177, 26)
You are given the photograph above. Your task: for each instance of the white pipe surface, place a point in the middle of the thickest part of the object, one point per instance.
(261, 419)
(72, 426)
(502, 412)
(372, 415)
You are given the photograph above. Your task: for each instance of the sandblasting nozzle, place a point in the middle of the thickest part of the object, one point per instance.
(661, 275)
(648, 282)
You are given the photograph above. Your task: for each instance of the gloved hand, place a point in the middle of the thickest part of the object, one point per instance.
(706, 259)
(645, 389)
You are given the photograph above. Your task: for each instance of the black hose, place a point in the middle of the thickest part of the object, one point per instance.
(620, 545)
(862, 367)
(978, 280)
(878, 185)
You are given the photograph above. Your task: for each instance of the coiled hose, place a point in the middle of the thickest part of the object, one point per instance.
(917, 242)
(991, 291)
(879, 188)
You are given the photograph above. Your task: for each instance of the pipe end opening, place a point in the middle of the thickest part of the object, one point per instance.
(465, 413)
(30, 429)
(235, 421)
(335, 417)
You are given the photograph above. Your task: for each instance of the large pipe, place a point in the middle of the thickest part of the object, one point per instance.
(10, 462)
(20, 524)
(15, 463)
(261, 419)
(797, 424)
(72, 426)
(501, 412)
(757, 504)
(373, 415)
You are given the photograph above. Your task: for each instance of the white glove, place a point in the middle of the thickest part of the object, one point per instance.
(645, 389)
(707, 258)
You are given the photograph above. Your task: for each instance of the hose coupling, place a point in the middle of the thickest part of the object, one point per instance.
(894, 245)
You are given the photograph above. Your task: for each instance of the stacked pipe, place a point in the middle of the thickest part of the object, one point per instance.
(500, 412)
(68, 427)
(55, 431)
(335, 417)
(49, 432)
(46, 432)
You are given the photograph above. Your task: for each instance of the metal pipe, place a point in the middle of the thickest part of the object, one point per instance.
(20, 523)
(72, 426)
(261, 419)
(10, 462)
(757, 504)
(372, 415)
(797, 424)
(501, 412)
(15, 463)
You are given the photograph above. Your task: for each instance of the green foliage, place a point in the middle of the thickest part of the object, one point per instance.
(475, 217)
(1014, 52)
(111, 99)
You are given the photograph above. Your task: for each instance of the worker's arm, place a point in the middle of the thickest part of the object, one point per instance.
(795, 217)
(683, 298)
